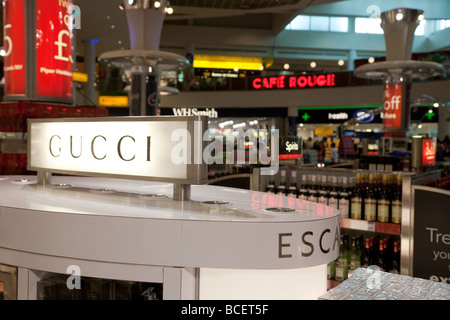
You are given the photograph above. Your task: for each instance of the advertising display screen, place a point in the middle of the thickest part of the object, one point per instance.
(14, 46)
(428, 152)
(53, 49)
(392, 107)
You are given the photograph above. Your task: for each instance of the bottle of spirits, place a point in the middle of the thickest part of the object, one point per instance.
(366, 258)
(344, 199)
(303, 191)
(395, 265)
(312, 191)
(293, 190)
(357, 198)
(271, 188)
(342, 260)
(384, 201)
(370, 200)
(396, 204)
(281, 190)
(322, 196)
(333, 195)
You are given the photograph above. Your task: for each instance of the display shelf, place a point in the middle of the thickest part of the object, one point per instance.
(372, 226)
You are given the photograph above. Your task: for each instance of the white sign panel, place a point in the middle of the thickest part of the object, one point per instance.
(147, 148)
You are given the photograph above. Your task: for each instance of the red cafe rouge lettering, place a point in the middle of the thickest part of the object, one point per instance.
(282, 82)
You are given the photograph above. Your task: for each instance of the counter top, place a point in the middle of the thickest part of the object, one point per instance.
(133, 221)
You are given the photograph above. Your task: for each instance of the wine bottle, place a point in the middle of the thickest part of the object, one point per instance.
(271, 188)
(396, 204)
(281, 190)
(312, 191)
(342, 260)
(357, 198)
(354, 257)
(395, 265)
(293, 190)
(344, 199)
(366, 258)
(384, 201)
(333, 195)
(370, 200)
(303, 191)
(331, 270)
(322, 197)
(382, 259)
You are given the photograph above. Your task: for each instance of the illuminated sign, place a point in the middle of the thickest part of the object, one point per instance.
(146, 148)
(428, 152)
(290, 148)
(212, 113)
(363, 116)
(392, 106)
(80, 77)
(113, 101)
(290, 82)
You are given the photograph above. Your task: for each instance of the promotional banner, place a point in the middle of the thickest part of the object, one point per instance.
(53, 49)
(428, 152)
(392, 106)
(14, 46)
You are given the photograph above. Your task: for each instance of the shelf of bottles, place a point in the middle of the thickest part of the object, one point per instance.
(369, 201)
(375, 251)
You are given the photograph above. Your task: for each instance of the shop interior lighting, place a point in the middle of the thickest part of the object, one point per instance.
(313, 64)
(341, 62)
(399, 16)
(157, 4)
(436, 105)
(371, 60)
(286, 66)
(132, 2)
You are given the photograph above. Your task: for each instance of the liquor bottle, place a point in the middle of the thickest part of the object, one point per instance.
(281, 190)
(271, 188)
(293, 190)
(382, 259)
(312, 191)
(357, 199)
(366, 258)
(322, 193)
(333, 195)
(303, 191)
(342, 260)
(344, 199)
(384, 201)
(370, 200)
(395, 264)
(354, 257)
(396, 204)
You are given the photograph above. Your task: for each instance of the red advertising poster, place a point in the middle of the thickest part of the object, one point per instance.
(428, 152)
(14, 46)
(53, 49)
(392, 107)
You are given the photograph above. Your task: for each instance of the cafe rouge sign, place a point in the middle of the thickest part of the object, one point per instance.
(291, 82)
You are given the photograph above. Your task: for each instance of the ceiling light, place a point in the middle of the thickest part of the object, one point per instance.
(371, 60)
(420, 17)
(157, 4)
(286, 66)
(399, 16)
(341, 62)
(131, 2)
(169, 10)
(261, 68)
(313, 64)
(436, 105)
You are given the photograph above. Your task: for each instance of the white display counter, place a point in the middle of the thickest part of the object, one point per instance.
(223, 243)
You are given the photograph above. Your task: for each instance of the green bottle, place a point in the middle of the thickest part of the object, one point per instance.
(354, 257)
(342, 260)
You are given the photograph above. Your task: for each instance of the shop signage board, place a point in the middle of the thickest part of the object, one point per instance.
(291, 82)
(428, 152)
(145, 148)
(39, 50)
(431, 234)
(361, 114)
(392, 106)
(290, 148)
